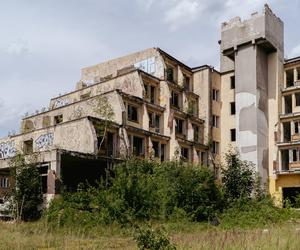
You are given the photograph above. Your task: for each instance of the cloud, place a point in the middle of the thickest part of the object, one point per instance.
(182, 13)
(17, 47)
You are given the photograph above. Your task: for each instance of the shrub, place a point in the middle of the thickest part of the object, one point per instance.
(26, 194)
(238, 177)
(148, 238)
(245, 213)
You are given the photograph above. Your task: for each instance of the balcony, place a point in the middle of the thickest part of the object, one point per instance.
(294, 165)
(295, 137)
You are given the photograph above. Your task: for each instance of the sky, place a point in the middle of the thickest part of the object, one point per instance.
(45, 43)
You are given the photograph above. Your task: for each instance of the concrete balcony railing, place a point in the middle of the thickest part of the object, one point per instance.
(294, 165)
(295, 137)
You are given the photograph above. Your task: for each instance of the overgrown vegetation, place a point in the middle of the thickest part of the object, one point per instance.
(146, 190)
(142, 190)
(26, 195)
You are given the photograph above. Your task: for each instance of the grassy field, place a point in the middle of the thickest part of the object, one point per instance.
(184, 236)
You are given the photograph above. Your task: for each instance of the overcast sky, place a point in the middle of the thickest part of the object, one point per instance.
(45, 43)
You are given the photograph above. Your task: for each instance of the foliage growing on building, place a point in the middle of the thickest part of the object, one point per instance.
(26, 196)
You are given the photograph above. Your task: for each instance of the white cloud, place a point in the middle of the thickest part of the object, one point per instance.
(18, 47)
(146, 4)
(182, 13)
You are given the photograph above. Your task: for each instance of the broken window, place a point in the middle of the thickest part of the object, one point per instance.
(184, 153)
(28, 147)
(294, 155)
(179, 126)
(150, 93)
(155, 146)
(196, 133)
(232, 82)
(297, 97)
(288, 104)
(186, 83)
(215, 121)
(215, 147)
(174, 99)
(232, 108)
(132, 113)
(154, 121)
(170, 74)
(138, 146)
(286, 131)
(232, 134)
(215, 95)
(289, 77)
(106, 146)
(298, 74)
(58, 119)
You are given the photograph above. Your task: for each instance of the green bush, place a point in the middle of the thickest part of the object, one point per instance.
(238, 177)
(245, 213)
(142, 190)
(148, 238)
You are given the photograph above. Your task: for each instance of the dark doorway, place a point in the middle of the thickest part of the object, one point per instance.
(291, 194)
(76, 170)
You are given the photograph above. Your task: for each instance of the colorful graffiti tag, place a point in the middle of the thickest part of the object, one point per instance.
(44, 141)
(7, 150)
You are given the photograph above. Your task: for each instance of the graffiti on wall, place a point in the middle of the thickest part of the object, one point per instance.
(7, 150)
(44, 141)
(147, 65)
(61, 102)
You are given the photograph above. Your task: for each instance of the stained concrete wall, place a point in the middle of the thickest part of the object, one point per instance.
(89, 74)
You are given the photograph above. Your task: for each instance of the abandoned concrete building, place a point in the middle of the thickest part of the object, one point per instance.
(164, 109)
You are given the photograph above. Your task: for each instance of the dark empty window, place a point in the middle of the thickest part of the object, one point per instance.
(232, 108)
(58, 119)
(179, 126)
(215, 147)
(296, 124)
(185, 153)
(155, 146)
(294, 155)
(215, 95)
(138, 146)
(232, 82)
(174, 99)
(215, 121)
(162, 152)
(152, 94)
(186, 83)
(132, 113)
(154, 121)
(28, 147)
(170, 74)
(196, 133)
(232, 134)
(289, 77)
(297, 96)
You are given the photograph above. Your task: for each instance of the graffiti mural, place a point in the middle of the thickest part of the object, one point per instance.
(7, 150)
(61, 102)
(44, 141)
(147, 65)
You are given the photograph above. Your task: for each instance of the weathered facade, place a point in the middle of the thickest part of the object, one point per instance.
(160, 111)
(165, 109)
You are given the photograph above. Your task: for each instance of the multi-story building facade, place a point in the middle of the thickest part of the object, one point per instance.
(165, 109)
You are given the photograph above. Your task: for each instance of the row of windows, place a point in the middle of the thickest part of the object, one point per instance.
(170, 76)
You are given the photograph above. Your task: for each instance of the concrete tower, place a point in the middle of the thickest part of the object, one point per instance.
(252, 50)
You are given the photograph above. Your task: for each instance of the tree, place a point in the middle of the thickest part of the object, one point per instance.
(238, 177)
(103, 109)
(27, 196)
